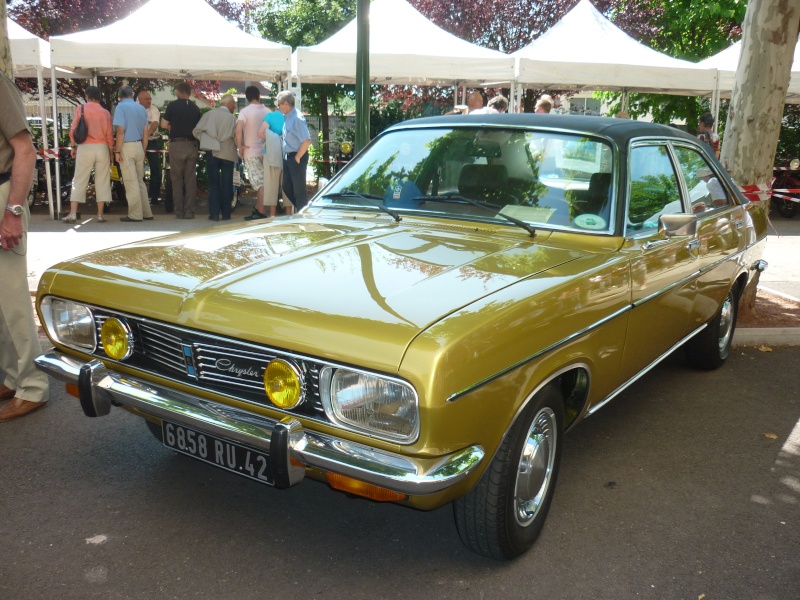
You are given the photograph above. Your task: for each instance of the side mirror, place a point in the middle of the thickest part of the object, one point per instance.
(679, 224)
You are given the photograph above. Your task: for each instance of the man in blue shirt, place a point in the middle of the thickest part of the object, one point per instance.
(131, 127)
(296, 140)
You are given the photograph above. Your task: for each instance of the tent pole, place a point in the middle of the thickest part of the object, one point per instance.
(54, 92)
(43, 114)
(455, 96)
(715, 102)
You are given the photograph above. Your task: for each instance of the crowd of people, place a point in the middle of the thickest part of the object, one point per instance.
(273, 144)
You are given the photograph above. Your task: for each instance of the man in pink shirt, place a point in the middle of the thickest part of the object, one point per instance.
(95, 152)
(251, 147)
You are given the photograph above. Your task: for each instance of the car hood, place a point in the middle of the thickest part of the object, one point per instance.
(353, 290)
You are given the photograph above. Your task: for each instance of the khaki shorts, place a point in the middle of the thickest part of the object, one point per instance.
(255, 171)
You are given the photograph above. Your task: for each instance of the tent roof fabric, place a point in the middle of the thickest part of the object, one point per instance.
(27, 50)
(585, 50)
(727, 62)
(404, 48)
(198, 43)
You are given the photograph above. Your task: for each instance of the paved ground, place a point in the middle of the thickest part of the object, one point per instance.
(686, 486)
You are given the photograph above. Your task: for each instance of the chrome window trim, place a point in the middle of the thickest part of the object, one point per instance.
(647, 142)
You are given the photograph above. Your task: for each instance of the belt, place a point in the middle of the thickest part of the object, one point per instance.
(182, 139)
(139, 141)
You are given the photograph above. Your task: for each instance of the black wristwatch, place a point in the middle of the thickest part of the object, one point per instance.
(15, 209)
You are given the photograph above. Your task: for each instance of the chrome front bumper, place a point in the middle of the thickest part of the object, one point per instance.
(290, 446)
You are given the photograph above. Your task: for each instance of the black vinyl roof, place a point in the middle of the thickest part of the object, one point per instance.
(619, 130)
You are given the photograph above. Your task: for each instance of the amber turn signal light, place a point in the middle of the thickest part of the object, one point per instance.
(363, 489)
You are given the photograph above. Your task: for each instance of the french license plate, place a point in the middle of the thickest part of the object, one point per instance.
(221, 453)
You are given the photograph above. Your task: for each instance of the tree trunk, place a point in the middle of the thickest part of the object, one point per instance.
(5, 47)
(759, 94)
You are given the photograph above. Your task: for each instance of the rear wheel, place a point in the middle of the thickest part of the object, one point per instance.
(502, 516)
(710, 348)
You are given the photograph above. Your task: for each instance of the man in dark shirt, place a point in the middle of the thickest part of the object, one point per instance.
(180, 119)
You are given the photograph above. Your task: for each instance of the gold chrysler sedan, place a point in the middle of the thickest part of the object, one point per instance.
(426, 330)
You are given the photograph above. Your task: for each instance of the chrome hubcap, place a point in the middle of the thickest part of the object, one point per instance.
(726, 323)
(535, 469)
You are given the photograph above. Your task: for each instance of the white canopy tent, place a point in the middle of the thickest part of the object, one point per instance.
(727, 62)
(405, 48)
(584, 50)
(29, 54)
(198, 43)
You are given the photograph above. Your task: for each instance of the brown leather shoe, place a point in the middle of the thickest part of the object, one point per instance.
(6, 393)
(17, 407)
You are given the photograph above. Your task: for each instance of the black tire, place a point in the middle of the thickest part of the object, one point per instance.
(502, 516)
(710, 348)
(155, 429)
(787, 208)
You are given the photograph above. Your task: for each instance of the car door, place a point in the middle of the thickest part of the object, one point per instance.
(663, 269)
(720, 228)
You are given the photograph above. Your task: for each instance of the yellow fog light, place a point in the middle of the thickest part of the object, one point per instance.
(117, 339)
(347, 147)
(283, 384)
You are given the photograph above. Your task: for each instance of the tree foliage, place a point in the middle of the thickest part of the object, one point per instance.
(690, 30)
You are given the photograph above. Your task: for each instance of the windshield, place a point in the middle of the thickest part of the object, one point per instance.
(549, 180)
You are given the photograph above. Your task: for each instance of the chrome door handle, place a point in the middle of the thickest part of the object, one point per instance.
(692, 245)
(738, 223)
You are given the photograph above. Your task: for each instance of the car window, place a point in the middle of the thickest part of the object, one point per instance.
(705, 190)
(654, 187)
(547, 179)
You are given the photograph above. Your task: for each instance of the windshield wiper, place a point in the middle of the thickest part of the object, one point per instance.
(460, 199)
(369, 198)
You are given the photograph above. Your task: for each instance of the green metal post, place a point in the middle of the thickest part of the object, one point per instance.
(362, 74)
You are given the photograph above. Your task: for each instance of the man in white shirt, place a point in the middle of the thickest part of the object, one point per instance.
(155, 144)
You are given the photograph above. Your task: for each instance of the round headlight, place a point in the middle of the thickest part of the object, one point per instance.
(117, 339)
(795, 164)
(283, 384)
(347, 147)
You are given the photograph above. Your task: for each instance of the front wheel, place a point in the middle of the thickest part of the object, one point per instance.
(502, 516)
(710, 348)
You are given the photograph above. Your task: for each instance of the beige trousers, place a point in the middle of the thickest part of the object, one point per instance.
(273, 184)
(19, 340)
(133, 177)
(92, 156)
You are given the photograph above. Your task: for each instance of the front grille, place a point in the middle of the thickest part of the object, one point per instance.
(222, 365)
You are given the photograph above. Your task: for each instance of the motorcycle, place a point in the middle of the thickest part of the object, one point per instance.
(343, 156)
(787, 189)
